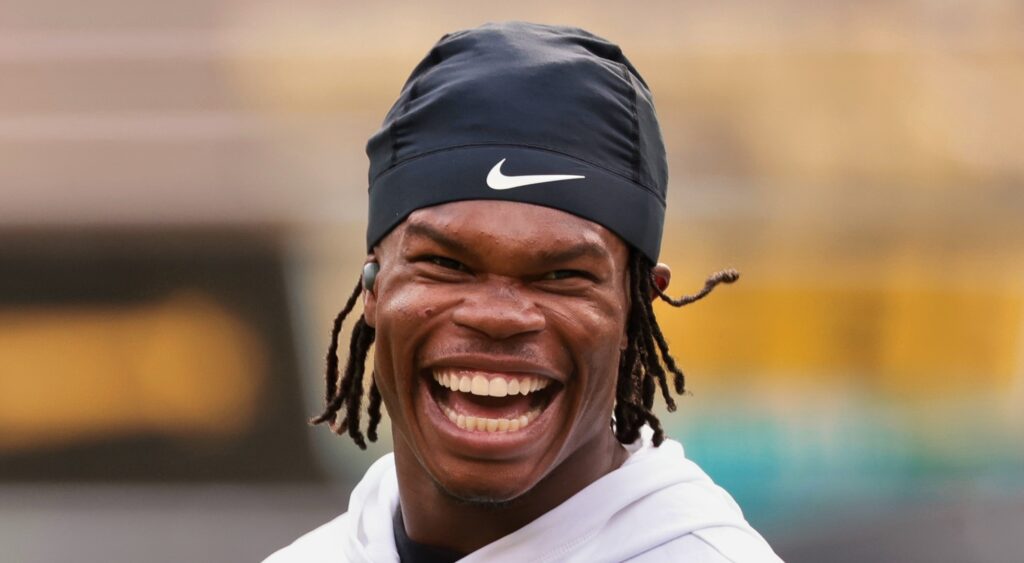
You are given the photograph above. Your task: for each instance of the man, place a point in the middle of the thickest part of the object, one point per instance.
(516, 209)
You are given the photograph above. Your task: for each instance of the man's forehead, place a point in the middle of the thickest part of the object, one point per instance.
(477, 224)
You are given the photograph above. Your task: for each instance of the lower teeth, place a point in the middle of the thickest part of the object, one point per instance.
(482, 424)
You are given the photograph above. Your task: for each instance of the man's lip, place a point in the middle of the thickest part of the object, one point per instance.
(494, 364)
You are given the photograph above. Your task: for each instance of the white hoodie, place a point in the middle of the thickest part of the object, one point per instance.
(658, 506)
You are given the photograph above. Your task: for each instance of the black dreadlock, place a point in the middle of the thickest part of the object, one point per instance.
(642, 366)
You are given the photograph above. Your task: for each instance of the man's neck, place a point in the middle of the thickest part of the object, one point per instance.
(436, 518)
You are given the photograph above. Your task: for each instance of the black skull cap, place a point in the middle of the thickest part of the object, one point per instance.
(547, 115)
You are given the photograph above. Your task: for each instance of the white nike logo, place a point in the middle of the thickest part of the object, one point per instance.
(498, 181)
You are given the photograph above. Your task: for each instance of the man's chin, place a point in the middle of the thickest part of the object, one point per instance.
(480, 497)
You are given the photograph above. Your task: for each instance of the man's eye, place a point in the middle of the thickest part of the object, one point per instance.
(447, 263)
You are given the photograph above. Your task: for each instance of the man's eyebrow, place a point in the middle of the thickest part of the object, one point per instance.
(438, 236)
(580, 249)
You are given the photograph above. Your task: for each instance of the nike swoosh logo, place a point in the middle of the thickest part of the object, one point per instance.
(498, 181)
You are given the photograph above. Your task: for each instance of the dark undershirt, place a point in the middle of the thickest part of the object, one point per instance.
(414, 552)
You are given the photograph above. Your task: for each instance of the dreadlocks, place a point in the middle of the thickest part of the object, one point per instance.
(642, 366)
(349, 391)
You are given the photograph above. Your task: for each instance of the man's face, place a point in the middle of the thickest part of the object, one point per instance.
(499, 328)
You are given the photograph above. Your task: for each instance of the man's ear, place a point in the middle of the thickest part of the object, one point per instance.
(662, 277)
(371, 267)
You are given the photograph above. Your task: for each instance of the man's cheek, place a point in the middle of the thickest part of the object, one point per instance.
(418, 311)
(390, 388)
(406, 296)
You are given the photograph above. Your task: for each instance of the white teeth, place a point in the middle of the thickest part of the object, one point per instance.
(494, 387)
(480, 386)
(481, 424)
(498, 387)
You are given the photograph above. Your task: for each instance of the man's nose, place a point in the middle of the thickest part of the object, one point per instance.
(499, 311)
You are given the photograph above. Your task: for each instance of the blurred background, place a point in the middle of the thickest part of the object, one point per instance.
(182, 207)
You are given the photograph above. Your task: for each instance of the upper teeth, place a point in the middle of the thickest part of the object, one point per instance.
(477, 384)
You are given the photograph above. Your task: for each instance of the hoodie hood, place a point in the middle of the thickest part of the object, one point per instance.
(655, 498)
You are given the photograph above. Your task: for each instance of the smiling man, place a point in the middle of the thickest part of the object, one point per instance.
(517, 197)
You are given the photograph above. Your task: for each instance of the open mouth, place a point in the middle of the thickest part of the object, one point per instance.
(480, 401)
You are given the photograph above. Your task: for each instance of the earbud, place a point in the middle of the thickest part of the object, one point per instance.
(370, 270)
